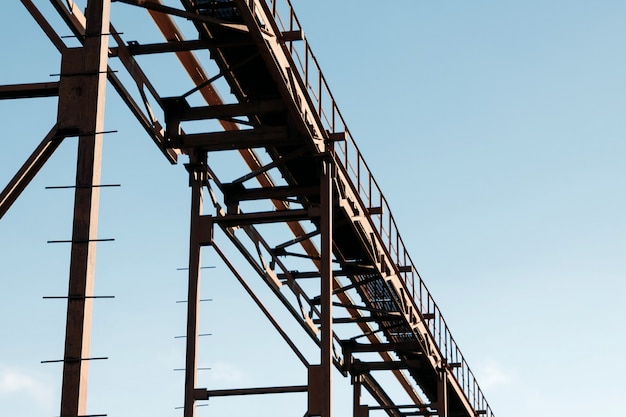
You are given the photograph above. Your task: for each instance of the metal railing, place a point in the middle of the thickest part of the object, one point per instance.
(313, 82)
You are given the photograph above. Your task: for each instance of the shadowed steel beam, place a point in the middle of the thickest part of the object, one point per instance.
(361, 366)
(179, 46)
(197, 176)
(31, 90)
(81, 107)
(326, 270)
(279, 216)
(237, 139)
(412, 347)
(203, 394)
(236, 194)
(28, 171)
(232, 110)
(160, 8)
(442, 394)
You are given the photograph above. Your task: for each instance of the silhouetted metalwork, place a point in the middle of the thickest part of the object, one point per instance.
(330, 223)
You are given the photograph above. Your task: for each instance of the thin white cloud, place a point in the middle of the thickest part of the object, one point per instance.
(12, 381)
(492, 374)
(227, 374)
(15, 382)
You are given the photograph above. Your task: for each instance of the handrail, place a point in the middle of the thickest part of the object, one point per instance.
(348, 154)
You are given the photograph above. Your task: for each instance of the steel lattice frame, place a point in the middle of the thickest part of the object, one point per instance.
(333, 256)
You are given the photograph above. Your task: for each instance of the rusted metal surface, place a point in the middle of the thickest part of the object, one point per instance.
(28, 171)
(31, 90)
(369, 290)
(196, 181)
(327, 194)
(81, 108)
(207, 394)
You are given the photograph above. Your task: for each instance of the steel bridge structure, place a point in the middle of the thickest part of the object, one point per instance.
(303, 211)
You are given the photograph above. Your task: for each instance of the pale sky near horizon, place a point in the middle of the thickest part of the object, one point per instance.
(496, 130)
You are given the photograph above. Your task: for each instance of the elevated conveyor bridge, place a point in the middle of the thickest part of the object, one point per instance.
(304, 210)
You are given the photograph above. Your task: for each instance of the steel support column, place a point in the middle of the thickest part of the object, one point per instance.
(442, 393)
(197, 174)
(358, 410)
(326, 270)
(81, 108)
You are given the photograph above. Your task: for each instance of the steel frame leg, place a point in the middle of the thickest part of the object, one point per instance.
(358, 410)
(326, 228)
(81, 108)
(442, 394)
(197, 173)
(320, 376)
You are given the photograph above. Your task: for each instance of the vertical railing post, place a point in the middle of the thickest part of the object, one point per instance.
(82, 91)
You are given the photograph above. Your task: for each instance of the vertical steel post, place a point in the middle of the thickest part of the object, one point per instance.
(442, 393)
(81, 109)
(196, 180)
(358, 410)
(326, 228)
(356, 395)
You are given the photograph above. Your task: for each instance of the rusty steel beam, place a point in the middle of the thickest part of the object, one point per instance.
(81, 106)
(204, 394)
(31, 90)
(442, 394)
(280, 216)
(236, 193)
(327, 280)
(197, 177)
(232, 110)
(360, 367)
(404, 347)
(27, 172)
(358, 410)
(157, 7)
(136, 49)
(230, 140)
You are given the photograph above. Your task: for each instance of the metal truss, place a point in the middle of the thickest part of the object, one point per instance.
(321, 238)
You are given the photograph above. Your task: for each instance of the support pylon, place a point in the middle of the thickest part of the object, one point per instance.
(81, 110)
(197, 172)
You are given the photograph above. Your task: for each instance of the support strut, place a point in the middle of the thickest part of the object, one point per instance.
(326, 227)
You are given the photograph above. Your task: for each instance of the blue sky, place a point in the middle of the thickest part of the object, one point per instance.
(496, 131)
